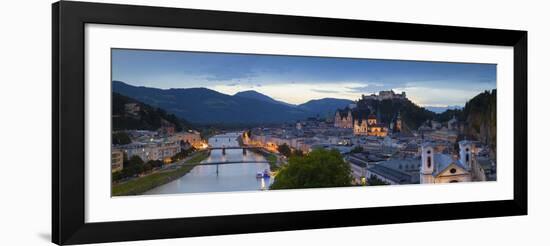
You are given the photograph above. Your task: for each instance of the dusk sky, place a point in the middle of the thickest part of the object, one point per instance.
(296, 79)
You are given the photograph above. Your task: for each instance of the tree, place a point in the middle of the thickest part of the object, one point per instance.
(133, 161)
(180, 155)
(298, 152)
(147, 167)
(357, 149)
(132, 166)
(120, 138)
(480, 118)
(155, 163)
(116, 176)
(284, 149)
(319, 168)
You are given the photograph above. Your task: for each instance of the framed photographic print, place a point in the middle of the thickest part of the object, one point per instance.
(175, 122)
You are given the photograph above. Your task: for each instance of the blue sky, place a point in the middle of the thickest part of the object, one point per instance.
(298, 79)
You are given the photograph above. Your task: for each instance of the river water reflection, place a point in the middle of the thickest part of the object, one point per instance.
(230, 177)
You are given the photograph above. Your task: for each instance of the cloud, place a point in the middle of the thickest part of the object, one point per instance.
(324, 91)
(433, 96)
(368, 88)
(233, 84)
(228, 75)
(229, 71)
(359, 88)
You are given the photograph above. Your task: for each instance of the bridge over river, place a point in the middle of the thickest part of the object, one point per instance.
(228, 167)
(224, 148)
(224, 163)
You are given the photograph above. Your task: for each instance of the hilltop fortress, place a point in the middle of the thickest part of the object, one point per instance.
(383, 95)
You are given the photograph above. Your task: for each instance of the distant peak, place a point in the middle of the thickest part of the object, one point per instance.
(252, 93)
(248, 92)
(119, 82)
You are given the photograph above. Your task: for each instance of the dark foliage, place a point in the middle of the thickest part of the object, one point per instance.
(386, 110)
(182, 154)
(284, 149)
(319, 168)
(449, 114)
(120, 138)
(480, 114)
(298, 152)
(148, 117)
(132, 167)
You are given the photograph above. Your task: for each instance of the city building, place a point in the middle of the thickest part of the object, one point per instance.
(142, 135)
(358, 159)
(298, 126)
(411, 149)
(369, 127)
(135, 149)
(156, 150)
(166, 128)
(343, 118)
(395, 171)
(191, 137)
(117, 160)
(442, 134)
(443, 168)
(165, 152)
(452, 124)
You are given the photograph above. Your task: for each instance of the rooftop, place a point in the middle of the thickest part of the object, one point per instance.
(391, 174)
(442, 161)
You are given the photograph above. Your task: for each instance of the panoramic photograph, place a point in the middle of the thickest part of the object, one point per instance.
(203, 122)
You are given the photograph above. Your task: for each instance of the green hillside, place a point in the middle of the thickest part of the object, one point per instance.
(412, 115)
(147, 118)
(480, 114)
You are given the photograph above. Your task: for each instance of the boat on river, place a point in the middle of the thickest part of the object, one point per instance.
(263, 187)
(266, 174)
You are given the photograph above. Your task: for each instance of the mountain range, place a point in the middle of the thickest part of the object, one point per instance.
(206, 106)
(259, 96)
(439, 110)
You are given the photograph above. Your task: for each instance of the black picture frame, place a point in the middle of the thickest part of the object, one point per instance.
(68, 107)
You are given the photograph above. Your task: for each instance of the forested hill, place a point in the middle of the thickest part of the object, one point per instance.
(146, 118)
(479, 118)
(480, 115)
(412, 115)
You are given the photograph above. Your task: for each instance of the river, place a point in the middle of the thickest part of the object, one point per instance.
(230, 177)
